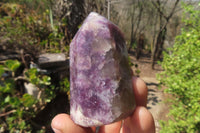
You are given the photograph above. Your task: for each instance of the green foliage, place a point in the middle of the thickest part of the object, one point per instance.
(35, 78)
(12, 65)
(1, 70)
(65, 85)
(17, 108)
(40, 5)
(28, 25)
(181, 77)
(42, 82)
(31, 29)
(28, 100)
(136, 71)
(12, 105)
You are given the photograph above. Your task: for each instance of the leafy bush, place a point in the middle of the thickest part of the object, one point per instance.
(29, 27)
(27, 32)
(31, 30)
(17, 108)
(181, 76)
(39, 5)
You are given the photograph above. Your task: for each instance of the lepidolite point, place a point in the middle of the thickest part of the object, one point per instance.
(101, 89)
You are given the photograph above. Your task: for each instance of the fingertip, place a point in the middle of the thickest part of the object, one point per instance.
(111, 128)
(143, 121)
(58, 122)
(62, 123)
(140, 91)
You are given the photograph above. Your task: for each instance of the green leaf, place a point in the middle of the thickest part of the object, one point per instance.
(7, 99)
(46, 80)
(9, 86)
(28, 100)
(12, 65)
(15, 102)
(180, 77)
(1, 70)
(22, 125)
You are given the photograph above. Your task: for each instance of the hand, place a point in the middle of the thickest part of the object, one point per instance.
(140, 122)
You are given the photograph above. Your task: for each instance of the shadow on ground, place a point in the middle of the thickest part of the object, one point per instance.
(153, 95)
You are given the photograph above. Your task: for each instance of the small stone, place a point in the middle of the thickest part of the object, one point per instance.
(101, 90)
(52, 60)
(31, 89)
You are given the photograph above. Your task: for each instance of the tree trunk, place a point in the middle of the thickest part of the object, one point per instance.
(158, 48)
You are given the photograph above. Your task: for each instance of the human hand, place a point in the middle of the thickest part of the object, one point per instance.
(141, 121)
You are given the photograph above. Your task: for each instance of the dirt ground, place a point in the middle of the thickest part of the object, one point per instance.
(156, 96)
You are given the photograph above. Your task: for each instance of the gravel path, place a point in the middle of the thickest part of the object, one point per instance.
(156, 96)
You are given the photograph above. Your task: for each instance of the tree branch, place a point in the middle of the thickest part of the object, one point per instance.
(172, 12)
(7, 113)
(157, 6)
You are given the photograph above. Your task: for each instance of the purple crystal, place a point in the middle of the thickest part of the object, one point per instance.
(100, 75)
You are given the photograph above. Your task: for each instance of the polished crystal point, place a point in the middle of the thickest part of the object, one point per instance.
(101, 90)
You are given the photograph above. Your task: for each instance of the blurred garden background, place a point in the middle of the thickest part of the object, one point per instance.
(162, 38)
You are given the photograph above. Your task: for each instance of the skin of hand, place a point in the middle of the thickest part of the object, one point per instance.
(141, 121)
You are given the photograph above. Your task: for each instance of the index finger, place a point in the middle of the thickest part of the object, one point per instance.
(140, 91)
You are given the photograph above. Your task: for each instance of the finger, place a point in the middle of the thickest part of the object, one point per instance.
(140, 91)
(62, 123)
(140, 122)
(111, 128)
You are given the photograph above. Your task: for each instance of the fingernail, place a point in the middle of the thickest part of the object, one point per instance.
(56, 130)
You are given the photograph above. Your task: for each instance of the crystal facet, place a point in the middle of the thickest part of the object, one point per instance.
(100, 76)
